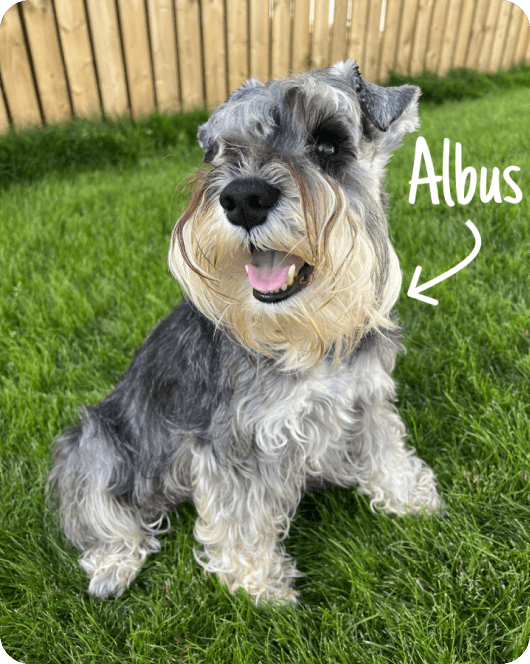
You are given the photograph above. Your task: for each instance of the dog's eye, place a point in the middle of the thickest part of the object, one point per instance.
(325, 149)
(330, 147)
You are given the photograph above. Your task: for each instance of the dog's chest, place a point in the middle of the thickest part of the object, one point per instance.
(312, 411)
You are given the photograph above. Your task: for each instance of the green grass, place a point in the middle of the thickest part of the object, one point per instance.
(83, 280)
(82, 145)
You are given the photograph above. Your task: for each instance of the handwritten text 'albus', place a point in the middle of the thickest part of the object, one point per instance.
(461, 176)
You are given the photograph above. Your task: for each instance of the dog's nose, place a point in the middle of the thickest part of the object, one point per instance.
(247, 201)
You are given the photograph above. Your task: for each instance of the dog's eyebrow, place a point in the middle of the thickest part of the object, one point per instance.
(326, 123)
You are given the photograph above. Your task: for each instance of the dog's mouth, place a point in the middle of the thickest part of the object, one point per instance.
(276, 275)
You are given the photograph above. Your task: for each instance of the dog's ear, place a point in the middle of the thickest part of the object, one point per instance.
(382, 106)
(207, 143)
(206, 134)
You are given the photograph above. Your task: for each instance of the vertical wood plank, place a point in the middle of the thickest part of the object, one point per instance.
(259, 39)
(510, 43)
(47, 62)
(238, 43)
(373, 36)
(190, 54)
(213, 30)
(4, 120)
(436, 35)
(488, 35)
(464, 29)
(523, 40)
(500, 35)
(301, 54)
(449, 38)
(357, 40)
(320, 44)
(16, 71)
(390, 37)
(164, 51)
(477, 32)
(339, 31)
(406, 36)
(133, 22)
(281, 38)
(420, 42)
(103, 22)
(80, 66)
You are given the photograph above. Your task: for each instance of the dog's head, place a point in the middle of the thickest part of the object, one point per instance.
(284, 242)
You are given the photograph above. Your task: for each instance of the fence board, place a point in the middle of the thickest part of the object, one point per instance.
(103, 22)
(320, 43)
(164, 52)
(133, 23)
(488, 35)
(339, 31)
(301, 53)
(510, 43)
(436, 34)
(356, 42)
(449, 38)
(390, 38)
(73, 33)
(464, 29)
(4, 120)
(238, 43)
(213, 30)
(190, 53)
(373, 37)
(406, 35)
(16, 71)
(500, 35)
(259, 39)
(478, 27)
(523, 41)
(281, 38)
(47, 62)
(420, 42)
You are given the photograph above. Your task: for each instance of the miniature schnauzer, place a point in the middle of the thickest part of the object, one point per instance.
(273, 376)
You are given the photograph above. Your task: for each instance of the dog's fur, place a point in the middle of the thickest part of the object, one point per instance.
(241, 399)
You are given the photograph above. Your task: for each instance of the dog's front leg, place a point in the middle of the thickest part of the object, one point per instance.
(240, 523)
(398, 481)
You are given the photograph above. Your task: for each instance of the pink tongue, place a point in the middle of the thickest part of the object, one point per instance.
(265, 281)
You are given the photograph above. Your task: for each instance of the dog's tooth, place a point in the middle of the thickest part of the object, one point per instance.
(284, 287)
(290, 275)
(246, 268)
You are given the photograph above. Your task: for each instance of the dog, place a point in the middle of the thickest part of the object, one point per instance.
(273, 377)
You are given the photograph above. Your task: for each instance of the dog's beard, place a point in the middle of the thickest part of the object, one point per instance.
(354, 280)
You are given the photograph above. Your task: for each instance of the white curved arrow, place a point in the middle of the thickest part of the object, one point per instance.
(415, 290)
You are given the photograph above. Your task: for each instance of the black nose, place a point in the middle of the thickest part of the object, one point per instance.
(247, 201)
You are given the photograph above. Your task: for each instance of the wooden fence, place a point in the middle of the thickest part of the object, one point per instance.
(65, 57)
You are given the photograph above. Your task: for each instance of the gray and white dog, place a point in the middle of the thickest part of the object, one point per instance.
(274, 375)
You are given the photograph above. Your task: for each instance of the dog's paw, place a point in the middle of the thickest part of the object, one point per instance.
(282, 594)
(112, 568)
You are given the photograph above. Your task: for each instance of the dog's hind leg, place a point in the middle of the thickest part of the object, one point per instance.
(112, 534)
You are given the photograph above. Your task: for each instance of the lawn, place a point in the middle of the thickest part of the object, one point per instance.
(84, 278)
